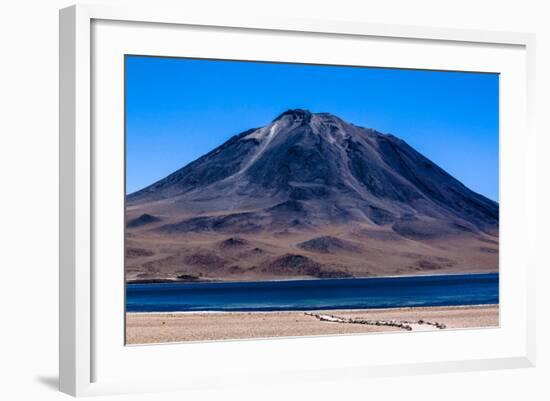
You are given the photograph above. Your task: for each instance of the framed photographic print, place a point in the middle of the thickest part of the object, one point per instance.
(356, 199)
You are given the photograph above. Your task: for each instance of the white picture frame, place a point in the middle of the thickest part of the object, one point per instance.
(80, 344)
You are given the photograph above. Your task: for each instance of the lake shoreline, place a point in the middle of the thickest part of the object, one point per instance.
(169, 327)
(176, 281)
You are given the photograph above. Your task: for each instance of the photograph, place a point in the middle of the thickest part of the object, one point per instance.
(275, 199)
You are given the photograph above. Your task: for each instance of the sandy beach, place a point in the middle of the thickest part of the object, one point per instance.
(146, 328)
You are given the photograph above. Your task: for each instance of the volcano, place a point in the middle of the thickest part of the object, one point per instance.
(309, 195)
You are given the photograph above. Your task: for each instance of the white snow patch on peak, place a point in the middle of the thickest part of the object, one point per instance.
(263, 133)
(265, 136)
(258, 134)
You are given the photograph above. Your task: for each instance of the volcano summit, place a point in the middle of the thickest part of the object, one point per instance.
(308, 196)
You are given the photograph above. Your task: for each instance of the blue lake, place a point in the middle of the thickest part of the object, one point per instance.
(388, 292)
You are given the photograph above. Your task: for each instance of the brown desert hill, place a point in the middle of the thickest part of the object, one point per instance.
(342, 199)
(142, 220)
(328, 244)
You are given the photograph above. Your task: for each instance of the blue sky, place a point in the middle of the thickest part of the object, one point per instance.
(178, 109)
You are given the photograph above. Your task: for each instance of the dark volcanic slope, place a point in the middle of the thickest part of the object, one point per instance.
(307, 170)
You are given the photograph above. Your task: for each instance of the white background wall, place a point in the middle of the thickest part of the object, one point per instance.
(29, 187)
